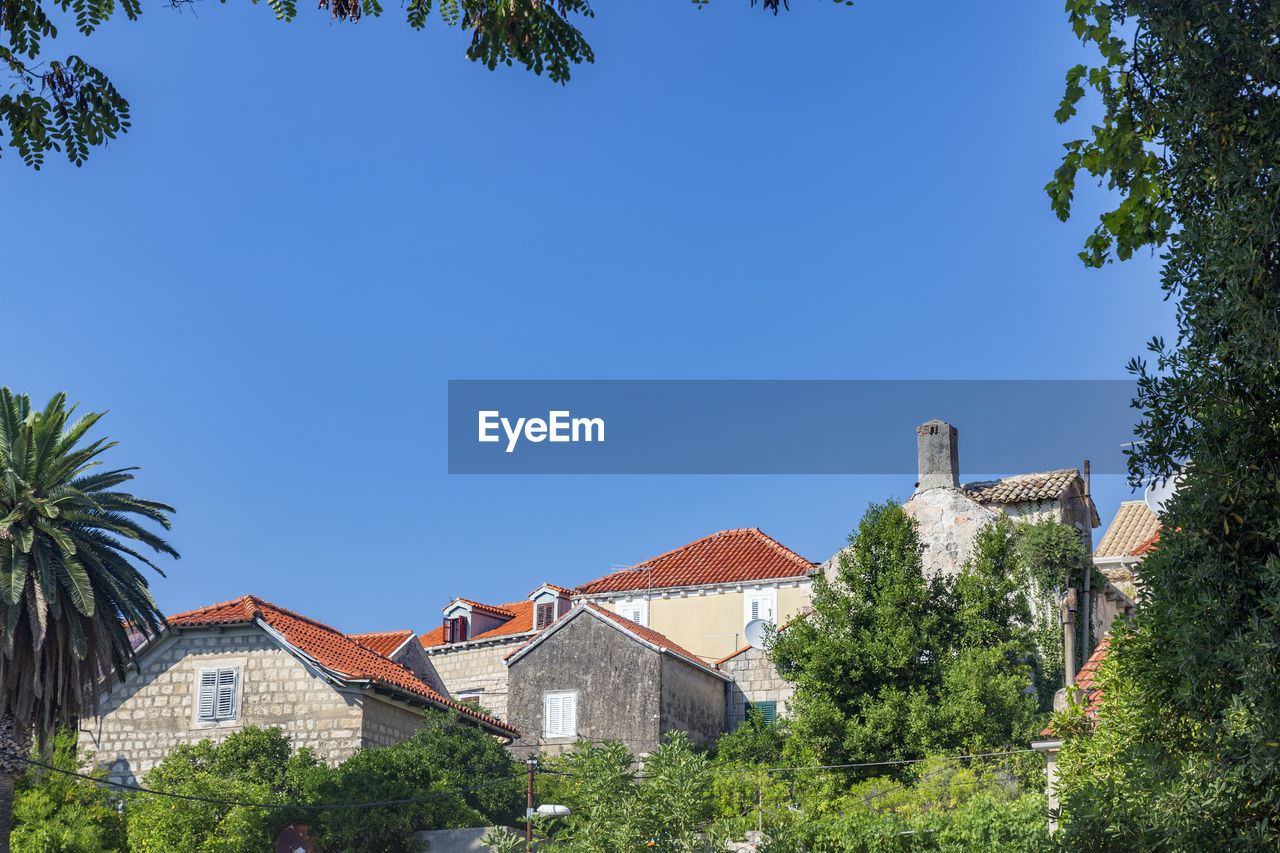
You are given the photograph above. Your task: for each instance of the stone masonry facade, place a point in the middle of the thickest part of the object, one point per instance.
(154, 710)
(477, 669)
(755, 679)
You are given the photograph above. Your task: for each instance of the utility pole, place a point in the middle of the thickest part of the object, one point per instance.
(1069, 636)
(531, 763)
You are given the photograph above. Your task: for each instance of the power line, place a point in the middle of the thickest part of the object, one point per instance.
(308, 807)
(874, 763)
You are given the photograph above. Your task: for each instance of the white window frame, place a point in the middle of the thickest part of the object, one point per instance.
(217, 689)
(556, 726)
(628, 607)
(767, 605)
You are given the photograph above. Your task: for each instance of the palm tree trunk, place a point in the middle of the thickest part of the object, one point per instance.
(15, 746)
(6, 811)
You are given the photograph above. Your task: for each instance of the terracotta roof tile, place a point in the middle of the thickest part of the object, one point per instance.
(329, 646)
(1042, 486)
(520, 622)
(1091, 696)
(556, 588)
(384, 643)
(725, 557)
(1147, 546)
(1133, 525)
(503, 610)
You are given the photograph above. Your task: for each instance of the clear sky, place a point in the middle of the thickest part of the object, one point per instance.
(313, 226)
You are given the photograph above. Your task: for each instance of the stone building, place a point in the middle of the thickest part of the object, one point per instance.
(403, 648)
(1130, 535)
(950, 514)
(248, 662)
(756, 683)
(469, 650)
(702, 595)
(597, 676)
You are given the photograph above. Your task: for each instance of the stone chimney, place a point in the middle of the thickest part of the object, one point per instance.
(938, 459)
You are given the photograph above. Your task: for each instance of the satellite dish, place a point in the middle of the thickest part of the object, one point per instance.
(1158, 493)
(755, 633)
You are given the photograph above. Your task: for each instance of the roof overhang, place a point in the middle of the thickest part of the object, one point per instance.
(576, 613)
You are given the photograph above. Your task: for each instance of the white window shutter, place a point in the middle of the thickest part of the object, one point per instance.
(551, 724)
(755, 608)
(560, 718)
(569, 716)
(208, 687)
(227, 692)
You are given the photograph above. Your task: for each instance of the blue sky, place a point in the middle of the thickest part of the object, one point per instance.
(313, 226)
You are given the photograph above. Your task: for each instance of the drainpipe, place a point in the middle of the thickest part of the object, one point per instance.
(1068, 614)
(1085, 641)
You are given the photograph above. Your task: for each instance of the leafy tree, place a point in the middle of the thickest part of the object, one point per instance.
(893, 665)
(445, 756)
(59, 813)
(69, 585)
(1189, 135)
(70, 106)
(252, 765)
(1052, 557)
(615, 810)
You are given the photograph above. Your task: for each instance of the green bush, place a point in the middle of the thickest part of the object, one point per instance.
(57, 813)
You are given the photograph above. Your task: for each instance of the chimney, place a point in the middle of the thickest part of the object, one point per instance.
(939, 461)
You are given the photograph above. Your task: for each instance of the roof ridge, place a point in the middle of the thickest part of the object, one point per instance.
(643, 634)
(210, 607)
(496, 607)
(780, 548)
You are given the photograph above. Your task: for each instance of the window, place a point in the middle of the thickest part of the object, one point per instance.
(760, 605)
(768, 711)
(455, 629)
(560, 715)
(546, 615)
(635, 609)
(217, 700)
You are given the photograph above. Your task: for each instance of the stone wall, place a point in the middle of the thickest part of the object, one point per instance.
(755, 679)
(387, 722)
(415, 658)
(692, 701)
(948, 520)
(477, 669)
(154, 710)
(617, 680)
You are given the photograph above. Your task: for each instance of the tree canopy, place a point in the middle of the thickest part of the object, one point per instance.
(1186, 753)
(891, 664)
(70, 106)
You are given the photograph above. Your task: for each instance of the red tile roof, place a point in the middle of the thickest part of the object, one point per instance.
(556, 588)
(520, 622)
(1090, 694)
(504, 610)
(384, 643)
(1146, 547)
(651, 636)
(328, 646)
(725, 557)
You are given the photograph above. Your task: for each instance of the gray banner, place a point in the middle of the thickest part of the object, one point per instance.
(781, 426)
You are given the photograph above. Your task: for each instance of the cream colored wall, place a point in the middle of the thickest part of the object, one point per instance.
(710, 625)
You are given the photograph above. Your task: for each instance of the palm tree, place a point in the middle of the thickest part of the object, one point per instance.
(70, 588)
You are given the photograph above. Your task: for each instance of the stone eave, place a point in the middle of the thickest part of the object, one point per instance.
(478, 643)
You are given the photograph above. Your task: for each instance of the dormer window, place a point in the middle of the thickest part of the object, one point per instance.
(455, 629)
(546, 614)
